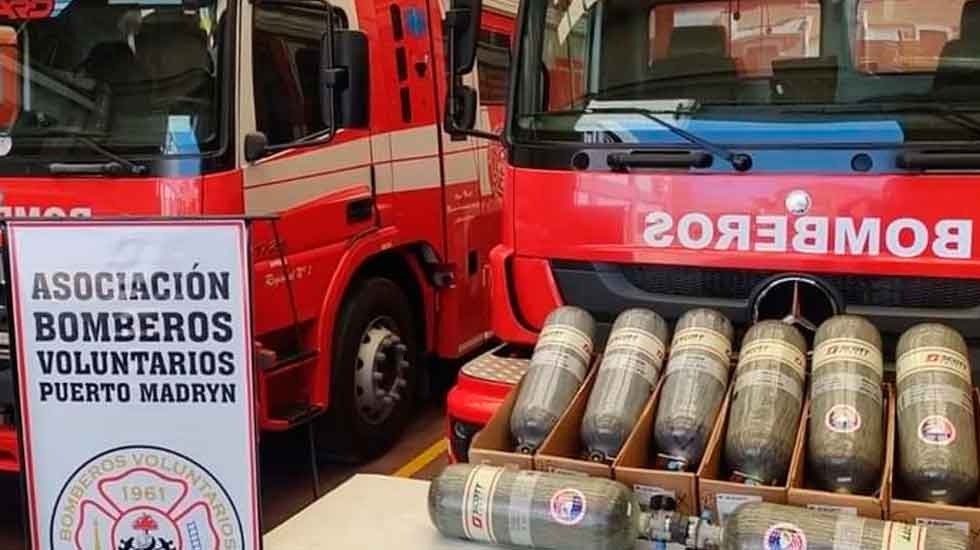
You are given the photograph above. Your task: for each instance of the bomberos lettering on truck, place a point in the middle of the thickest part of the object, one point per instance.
(840, 236)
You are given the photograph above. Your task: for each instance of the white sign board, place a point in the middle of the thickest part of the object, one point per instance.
(135, 383)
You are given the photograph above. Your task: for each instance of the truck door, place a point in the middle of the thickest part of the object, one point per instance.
(493, 59)
(407, 147)
(472, 208)
(323, 195)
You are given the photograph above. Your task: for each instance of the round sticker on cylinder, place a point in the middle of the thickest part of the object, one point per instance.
(843, 419)
(568, 506)
(937, 430)
(784, 536)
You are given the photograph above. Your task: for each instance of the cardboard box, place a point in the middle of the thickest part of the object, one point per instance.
(869, 506)
(966, 518)
(636, 467)
(721, 497)
(561, 452)
(493, 444)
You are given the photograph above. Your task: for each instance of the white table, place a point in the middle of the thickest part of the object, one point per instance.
(370, 512)
(367, 512)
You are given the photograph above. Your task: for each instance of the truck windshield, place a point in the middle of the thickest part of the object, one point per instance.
(739, 71)
(139, 79)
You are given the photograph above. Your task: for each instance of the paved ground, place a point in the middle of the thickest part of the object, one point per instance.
(286, 478)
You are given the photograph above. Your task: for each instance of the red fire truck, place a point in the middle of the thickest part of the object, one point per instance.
(766, 158)
(328, 116)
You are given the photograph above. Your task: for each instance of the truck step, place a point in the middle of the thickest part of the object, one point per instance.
(290, 415)
(288, 362)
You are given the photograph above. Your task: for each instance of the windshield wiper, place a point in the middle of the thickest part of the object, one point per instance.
(741, 162)
(111, 168)
(611, 91)
(659, 159)
(116, 165)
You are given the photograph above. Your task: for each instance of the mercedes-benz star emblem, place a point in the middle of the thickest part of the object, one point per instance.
(798, 202)
(796, 300)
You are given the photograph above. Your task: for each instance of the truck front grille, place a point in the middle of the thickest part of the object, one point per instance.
(892, 303)
(857, 290)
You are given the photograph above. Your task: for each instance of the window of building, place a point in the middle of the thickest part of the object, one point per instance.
(897, 36)
(565, 54)
(757, 32)
(493, 66)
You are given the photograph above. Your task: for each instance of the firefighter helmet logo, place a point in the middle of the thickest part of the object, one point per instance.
(144, 498)
(144, 533)
(798, 202)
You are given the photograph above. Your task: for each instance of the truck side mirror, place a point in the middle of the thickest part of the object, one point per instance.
(462, 27)
(256, 146)
(344, 79)
(352, 101)
(464, 109)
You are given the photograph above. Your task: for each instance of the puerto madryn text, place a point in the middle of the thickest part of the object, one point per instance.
(134, 337)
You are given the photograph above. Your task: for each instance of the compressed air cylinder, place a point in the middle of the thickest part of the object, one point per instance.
(533, 509)
(845, 444)
(936, 428)
(627, 376)
(558, 367)
(766, 403)
(758, 526)
(694, 387)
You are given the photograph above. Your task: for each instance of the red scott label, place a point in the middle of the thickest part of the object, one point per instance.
(26, 9)
(479, 489)
(839, 236)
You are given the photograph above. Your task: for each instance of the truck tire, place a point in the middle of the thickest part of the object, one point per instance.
(375, 372)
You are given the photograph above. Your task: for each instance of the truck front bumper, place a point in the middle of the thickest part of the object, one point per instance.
(9, 454)
(482, 386)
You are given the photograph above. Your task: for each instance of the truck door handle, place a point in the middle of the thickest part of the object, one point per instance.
(360, 210)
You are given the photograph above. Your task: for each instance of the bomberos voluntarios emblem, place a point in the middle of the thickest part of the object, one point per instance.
(144, 498)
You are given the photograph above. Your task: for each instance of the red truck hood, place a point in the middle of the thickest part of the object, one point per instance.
(895, 224)
(90, 196)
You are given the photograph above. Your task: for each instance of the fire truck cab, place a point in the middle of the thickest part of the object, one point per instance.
(325, 121)
(787, 159)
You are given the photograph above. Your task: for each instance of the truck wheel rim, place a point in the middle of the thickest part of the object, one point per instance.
(380, 371)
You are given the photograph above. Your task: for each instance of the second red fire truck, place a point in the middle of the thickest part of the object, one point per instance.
(787, 159)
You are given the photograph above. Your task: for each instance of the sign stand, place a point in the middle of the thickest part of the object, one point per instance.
(314, 461)
(15, 377)
(298, 342)
(132, 361)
